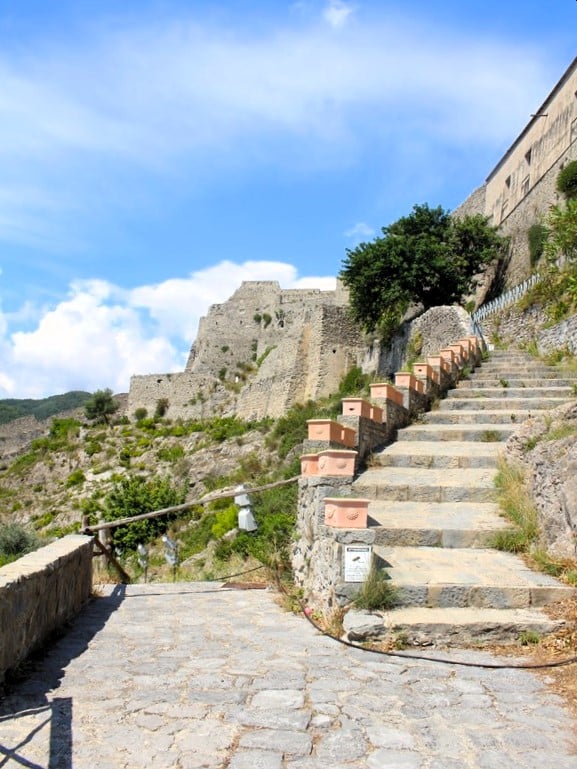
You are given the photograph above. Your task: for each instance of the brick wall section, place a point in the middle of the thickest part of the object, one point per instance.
(39, 593)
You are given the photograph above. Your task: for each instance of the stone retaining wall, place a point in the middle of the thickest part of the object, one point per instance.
(39, 593)
(521, 327)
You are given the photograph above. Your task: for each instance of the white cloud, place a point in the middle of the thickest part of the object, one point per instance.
(101, 334)
(360, 230)
(337, 13)
(182, 99)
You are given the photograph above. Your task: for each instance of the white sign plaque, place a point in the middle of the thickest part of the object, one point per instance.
(357, 562)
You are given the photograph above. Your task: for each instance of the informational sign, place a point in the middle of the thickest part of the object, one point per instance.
(357, 562)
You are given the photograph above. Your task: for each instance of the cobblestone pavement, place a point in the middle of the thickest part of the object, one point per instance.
(191, 675)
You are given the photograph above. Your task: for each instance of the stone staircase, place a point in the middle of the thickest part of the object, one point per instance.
(434, 513)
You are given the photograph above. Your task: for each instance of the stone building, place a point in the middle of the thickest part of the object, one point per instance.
(255, 355)
(522, 186)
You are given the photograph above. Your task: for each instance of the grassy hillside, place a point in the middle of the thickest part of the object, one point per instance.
(78, 470)
(43, 408)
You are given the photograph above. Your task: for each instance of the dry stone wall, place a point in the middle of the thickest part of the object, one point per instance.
(517, 327)
(39, 593)
(550, 463)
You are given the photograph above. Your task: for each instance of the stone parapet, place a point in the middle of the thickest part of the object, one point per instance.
(39, 593)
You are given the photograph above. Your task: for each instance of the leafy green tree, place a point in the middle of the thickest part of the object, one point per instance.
(427, 258)
(137, 495)
(100, 406)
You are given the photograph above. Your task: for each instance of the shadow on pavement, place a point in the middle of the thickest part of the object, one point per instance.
(36, 730)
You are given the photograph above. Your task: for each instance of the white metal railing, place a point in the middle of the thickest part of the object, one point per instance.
(509, 297)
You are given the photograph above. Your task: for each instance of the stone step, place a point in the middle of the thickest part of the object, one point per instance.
(445, 577)
(476, 383)
(422, 626)
(498, 392)
(509, 403)
(435, 454)
(481, 416)
(504, 371)
(482, 432)
(435, 524)
(442, 485)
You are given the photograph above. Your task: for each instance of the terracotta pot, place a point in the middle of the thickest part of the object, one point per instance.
(387, 392)
(336, 462)
(377, 414)
(324, 430)
(309, 465)
(348, 437)
(357, 407)
(344, 513)
(410, 381)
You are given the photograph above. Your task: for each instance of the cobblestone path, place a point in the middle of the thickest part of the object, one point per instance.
(191, 675)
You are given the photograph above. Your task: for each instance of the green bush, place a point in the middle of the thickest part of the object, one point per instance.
(537, 235)
(15, 541)
(140, 414)
(171, 453)
(76, 478)
(567, 180)
(137, 495)
(226, 520)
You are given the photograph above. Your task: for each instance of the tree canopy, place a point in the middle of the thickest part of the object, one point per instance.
(100, 406)
(427, 258)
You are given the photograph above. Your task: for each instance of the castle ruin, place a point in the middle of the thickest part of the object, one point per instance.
(257, 354)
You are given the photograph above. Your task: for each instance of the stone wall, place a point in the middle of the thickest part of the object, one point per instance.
(39, 593)
(435, 329)
(259, 353)
(474, 204)
(522, 187)
(515, 326)
(550, 464)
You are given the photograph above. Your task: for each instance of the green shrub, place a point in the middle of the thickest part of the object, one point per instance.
(567, 180)
(171, 453)
(537, 235)
(140, 414)
(15, 541)
(354, 382)
(137, 495)
(76, 478)
(226, 520)
(376, 592)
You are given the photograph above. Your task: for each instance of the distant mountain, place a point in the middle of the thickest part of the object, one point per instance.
(43, 408)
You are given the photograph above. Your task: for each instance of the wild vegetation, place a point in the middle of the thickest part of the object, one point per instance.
(427, 258)
(88, 469)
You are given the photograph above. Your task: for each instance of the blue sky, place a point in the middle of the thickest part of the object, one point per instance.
(154, 154)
